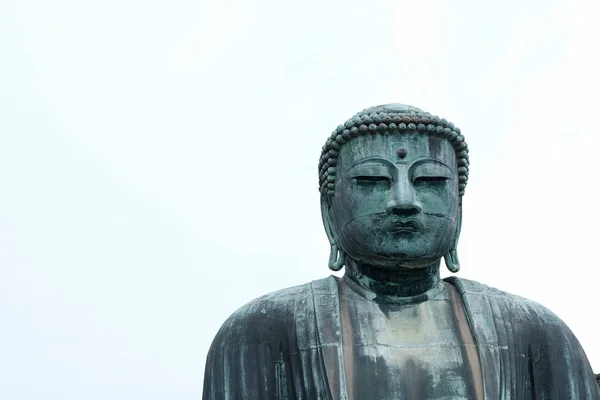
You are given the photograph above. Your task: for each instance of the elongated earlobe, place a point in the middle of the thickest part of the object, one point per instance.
(451, 257)
(336, 258)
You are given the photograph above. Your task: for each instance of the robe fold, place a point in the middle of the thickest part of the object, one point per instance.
(288, 345)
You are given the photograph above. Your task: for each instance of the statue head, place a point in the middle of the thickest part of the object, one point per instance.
(391, 181)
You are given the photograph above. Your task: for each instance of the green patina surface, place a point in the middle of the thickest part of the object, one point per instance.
(392, 180)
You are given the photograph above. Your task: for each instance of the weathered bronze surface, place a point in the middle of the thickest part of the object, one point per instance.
(392, 180)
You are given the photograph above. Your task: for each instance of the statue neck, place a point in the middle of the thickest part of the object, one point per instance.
(396, 283)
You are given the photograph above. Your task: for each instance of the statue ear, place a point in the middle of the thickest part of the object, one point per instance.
(451, 257)
(336, 256)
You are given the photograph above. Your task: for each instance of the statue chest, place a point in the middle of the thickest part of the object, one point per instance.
(414, 351)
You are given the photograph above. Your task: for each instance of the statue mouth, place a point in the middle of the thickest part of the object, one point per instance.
(403, 226)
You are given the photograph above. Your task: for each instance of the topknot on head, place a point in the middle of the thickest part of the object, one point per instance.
(391, 118)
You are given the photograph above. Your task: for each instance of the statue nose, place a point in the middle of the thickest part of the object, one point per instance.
(403, 199)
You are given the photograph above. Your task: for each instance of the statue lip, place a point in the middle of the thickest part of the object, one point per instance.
(398, 225)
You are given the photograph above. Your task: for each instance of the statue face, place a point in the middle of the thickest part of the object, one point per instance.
(396, 200)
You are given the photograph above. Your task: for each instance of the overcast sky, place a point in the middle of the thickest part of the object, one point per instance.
(158, 166)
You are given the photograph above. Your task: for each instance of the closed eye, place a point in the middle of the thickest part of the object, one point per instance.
(371, 179)
(433, 179)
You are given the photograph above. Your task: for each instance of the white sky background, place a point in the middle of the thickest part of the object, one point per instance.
(158, 166)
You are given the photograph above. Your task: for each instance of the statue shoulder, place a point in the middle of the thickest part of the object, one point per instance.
(523, 326)
(268, 316)
(518, 306)
(247, 354)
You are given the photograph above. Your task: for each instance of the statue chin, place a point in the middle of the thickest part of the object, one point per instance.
(366, 241)
(398, 261)
(388, 252)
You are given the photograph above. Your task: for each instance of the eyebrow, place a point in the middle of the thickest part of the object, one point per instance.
(370, 159)
(424, 160)
(414, 164)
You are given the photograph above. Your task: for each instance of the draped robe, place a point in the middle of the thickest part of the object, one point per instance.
(288, 345)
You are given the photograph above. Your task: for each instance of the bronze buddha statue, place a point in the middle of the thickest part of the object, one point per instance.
(392, 180)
